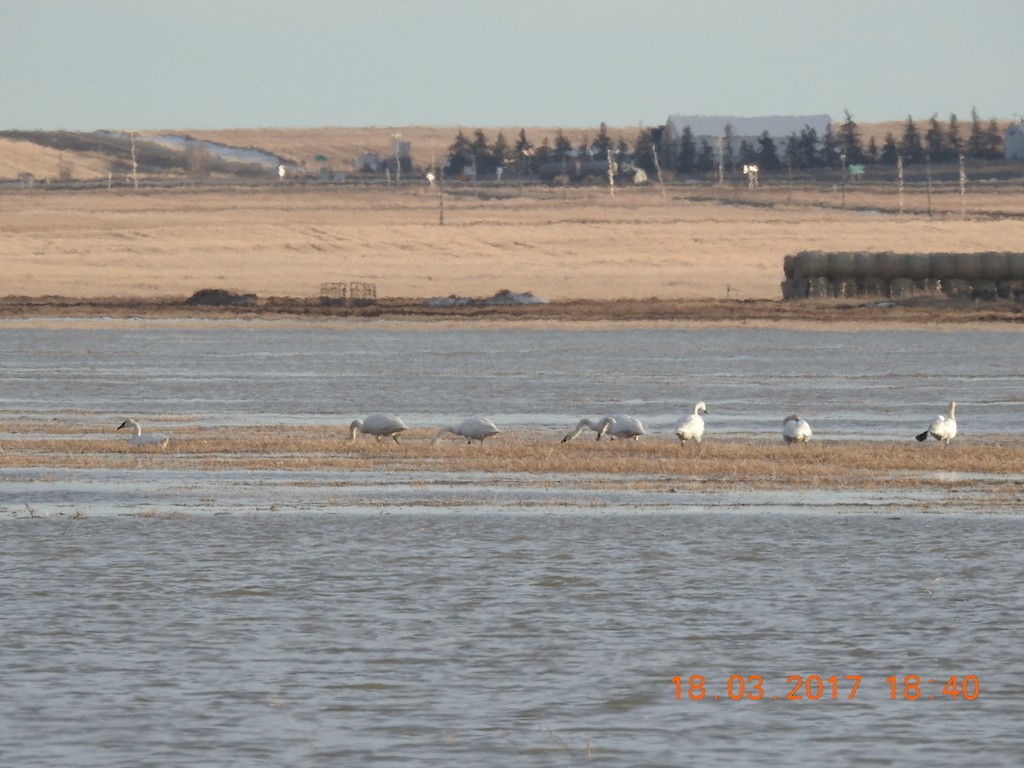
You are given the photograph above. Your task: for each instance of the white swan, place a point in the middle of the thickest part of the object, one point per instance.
(795, 429)
(137, 438)
(473, 428)
(379, 425)
(943, 428)
(692, 427)
(616, 425)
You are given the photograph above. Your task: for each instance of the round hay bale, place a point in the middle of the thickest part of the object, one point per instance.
(995, 266)
(1010, 289)
(874, 286)
(917, 266)
(944, 266)
(902, 287)
(891, 265)
(1015, 266)
(865, 264)
(794, 289)
(984, 289)
(788, 265)
(818, 288)
(841, 264)
(810, 264)
(956, 287)
(844, 288)
(968, 266)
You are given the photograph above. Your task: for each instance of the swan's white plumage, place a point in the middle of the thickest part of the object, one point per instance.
(617, 425)
(379, 425)
(150, 438)
(692, 427)
(795, 429)
(943, 428)
(473, 428)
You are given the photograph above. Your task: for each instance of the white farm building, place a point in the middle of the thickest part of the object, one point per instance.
(1013, 141)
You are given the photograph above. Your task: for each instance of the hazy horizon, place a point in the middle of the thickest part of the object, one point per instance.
(114, 64)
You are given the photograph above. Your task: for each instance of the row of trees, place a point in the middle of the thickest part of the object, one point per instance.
(686, 154)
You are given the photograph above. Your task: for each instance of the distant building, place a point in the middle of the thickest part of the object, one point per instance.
(1013, 141)
(712, 127)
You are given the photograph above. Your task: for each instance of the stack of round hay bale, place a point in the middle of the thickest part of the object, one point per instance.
(845, 274)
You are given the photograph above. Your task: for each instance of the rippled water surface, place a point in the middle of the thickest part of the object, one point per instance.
(159, 618)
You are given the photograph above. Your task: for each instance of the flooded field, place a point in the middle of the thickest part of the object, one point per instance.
(265, 592)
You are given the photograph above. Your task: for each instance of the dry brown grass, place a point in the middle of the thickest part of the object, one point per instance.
(577, 244)
(516, 459)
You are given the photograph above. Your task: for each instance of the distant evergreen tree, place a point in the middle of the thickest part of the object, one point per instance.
(954, 141)
(562, 144)
(706, 157)
(728, 155)
(602, 143)
(523, 152)
(829, 155)
(808, 148)
(767, 157)
(501, 151)
(748, 155)
(890, 150)
(993, 141)
(849, 140)
(643, 157)
(935, 142)
(483, 159)
(687, 160)
(460, 156)
(872, 154)
(976, 141)
(910, 144)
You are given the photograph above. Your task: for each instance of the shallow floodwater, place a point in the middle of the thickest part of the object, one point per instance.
(161, 618)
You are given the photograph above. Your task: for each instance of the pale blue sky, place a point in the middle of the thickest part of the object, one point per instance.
(178, 64)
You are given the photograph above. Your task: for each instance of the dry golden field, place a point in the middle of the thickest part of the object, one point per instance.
(681, 242)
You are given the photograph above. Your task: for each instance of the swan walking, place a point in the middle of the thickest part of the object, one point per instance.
(150, 438)
(692, 427)
(943, 428)
(379, 425)
(473, 428)
(616, 425)
(795, 429)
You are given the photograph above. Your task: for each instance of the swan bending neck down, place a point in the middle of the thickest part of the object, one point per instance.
(379, 425)
(473, 428)
(616, 425)
(943, 428)
(137, 438)
(795, 429)
(692, 427)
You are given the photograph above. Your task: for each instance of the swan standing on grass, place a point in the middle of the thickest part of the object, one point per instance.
(379, 425)
(943, 428)
(692, 427)
(616, 425)
(795, 429)
(137, 438)
(473, 428)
